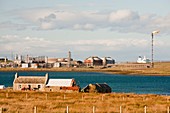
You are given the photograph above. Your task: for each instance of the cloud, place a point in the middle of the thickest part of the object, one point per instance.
(120, 20)
(84, 27)
(121, 47)
(123, 15)
(163, 23)
(22, 44)
(19, 43)
(35, 44)
(14, 26)
(47, 26)
(123, 20)
(107, 45)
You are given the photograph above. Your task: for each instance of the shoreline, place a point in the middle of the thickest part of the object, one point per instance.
(142, 72)
(160, 69)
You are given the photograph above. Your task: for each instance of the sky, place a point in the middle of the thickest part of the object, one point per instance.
(120, 29)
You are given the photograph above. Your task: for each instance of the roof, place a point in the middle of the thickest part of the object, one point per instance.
(30, 79)
(60, 82)
(2, 86)
(98, 87)
(93, 58)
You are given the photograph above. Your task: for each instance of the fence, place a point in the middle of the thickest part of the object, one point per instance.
(38, 102)
(93, 110)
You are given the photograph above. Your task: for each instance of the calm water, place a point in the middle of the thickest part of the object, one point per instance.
(118, 83)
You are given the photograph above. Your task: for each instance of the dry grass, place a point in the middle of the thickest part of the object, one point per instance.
(160, 68)
(81, 102)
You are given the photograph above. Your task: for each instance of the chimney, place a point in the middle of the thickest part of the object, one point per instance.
(16, 75)
(104, 61)
(27, 59)
(69, 59)
(5, 59)
(46, 76)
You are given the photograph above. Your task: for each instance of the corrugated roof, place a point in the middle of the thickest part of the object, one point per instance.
(2, 86)
(30, 79)
(60, 82)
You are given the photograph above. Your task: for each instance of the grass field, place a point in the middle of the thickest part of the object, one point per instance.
(52, 102)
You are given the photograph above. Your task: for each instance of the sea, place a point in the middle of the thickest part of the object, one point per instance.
(119, 83)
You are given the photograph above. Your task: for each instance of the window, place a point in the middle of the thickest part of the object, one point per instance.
(19, 86)
(39, 86)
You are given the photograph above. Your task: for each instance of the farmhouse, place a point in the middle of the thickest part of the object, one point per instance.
(30, 82)
(43, 83)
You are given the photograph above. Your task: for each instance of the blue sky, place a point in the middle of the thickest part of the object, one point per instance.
(117, 28)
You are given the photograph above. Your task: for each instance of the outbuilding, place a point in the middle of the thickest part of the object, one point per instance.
(97, 88)
(2, 87)
(62, 85)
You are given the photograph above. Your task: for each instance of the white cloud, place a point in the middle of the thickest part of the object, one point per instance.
(116, 44)
(10, 25)
(122, 20)
(84, 27)
(122, 15)
(34, 14)
(41, 46)
(47, 25)
(20, 43)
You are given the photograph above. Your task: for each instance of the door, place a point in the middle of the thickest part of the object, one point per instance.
(29, 87)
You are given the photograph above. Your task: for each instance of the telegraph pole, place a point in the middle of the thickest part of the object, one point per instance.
(153, 33)
(152, 64)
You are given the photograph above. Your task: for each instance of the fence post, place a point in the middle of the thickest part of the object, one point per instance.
(35, 109)
(6, 95)
(67, 110)
(145, 108)
(167, 99)
(64, 97)
(120, 109)
(26, 95)
(82, 97)
(123, 98)
(168, 109)
(46, 96)
(1, 110)
(102, 97)
(94, 109)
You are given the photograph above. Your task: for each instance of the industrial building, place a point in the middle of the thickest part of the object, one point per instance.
(93, 61)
